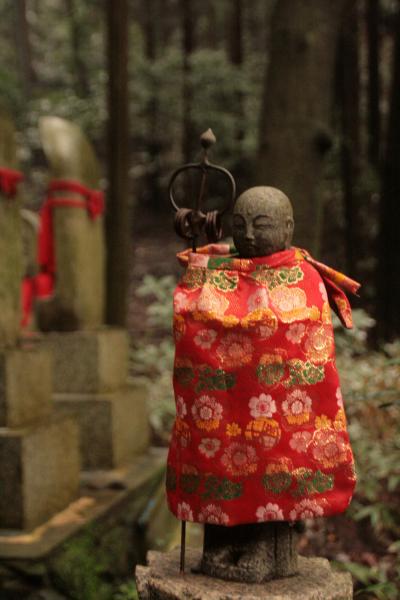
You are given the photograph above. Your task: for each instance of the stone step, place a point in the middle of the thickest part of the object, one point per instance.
(113, 427)
(25, 390)
(89, 362)
(39, 471)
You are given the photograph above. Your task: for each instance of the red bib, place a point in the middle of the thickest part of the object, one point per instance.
(260, 431)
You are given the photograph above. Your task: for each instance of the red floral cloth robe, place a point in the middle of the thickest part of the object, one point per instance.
(260, 430)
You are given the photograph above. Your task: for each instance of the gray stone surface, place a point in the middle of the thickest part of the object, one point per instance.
(39, 471)
(10, 244)
(79, 240)
(89, 362)
(25, 386)
(161, 580)
(113, 427)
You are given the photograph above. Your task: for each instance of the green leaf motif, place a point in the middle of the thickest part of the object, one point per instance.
(224, 281)
(221, 488)
(273, 278)
(190, 482)
(304, 373)
(271, 373)
(210, 379)
(170, 479)
(313, 482)
(277, 482)
(184, 375)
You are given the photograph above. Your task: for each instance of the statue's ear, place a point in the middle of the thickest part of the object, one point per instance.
(289, 229)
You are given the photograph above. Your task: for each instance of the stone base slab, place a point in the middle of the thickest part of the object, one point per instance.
(89, 362)
(113, 427)
(161, 580)
(102, 496)
(39, 471)
(25, 390)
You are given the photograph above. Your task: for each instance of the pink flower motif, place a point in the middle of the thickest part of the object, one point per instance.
(181, 410)
(185, 512)
(181, 301)
(329, 448)
(206, 412)
(306, 509)
(339, 398)
(209, 447)
(269, 512)
(295, 333)
(297, 407)
(205, 338)
(235, 350)
(300, 440)
(240, 459)
(322, 289)
(258, 300)
(263, 406)
(213, 514)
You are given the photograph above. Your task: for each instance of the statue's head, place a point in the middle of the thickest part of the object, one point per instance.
(262, 222)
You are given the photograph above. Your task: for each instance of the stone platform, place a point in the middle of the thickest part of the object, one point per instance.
(161, 580)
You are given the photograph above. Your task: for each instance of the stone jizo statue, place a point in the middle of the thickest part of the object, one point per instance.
(260, 441)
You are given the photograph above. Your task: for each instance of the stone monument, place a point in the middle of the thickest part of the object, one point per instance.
(90, 360)
(260, 440)
(39, 456)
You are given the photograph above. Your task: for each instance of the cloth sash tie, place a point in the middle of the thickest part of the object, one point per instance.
(93, 202)
(336, 283)
(42, 285)
(9, 180)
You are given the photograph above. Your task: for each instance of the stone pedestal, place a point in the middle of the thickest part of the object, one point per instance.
(161, 580)
(10, 244)
(90, 380)
(78, 239)
(39, 455)
(39, 471)
(25, 386)
(39, 452)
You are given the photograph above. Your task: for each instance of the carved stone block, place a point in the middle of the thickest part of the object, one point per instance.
(39, 472)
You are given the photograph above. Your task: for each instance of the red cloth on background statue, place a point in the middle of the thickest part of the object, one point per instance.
(42, 285)
(9, 180)
(93, 202)
(260, 431)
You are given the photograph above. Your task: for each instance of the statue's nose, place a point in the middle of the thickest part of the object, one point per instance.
(249, 233)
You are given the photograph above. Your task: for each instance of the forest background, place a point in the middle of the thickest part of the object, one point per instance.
(301, 95)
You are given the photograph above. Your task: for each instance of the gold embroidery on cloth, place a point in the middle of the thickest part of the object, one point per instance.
(329, 448)
(291, 305)
(263, 430)
(235, 350)
(318, 344)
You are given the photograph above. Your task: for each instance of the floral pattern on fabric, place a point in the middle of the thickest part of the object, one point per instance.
(260, 432)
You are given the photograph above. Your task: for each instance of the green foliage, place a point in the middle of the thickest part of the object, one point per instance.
(79, 568)
(374, 581)
(153, 362)
(127, 591)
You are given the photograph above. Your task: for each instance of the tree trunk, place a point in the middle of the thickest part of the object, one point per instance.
(348, 85)
(117, 220)
(189, 138)
(81, 77)
(23, 44)
(388, 267)
(234, 37)
(155, 198)
(296, 110)
(235, 55)
(374, 116)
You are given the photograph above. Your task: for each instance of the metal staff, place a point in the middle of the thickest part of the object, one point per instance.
(188, 224)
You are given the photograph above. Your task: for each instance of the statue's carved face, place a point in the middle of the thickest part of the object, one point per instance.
(262, 222)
